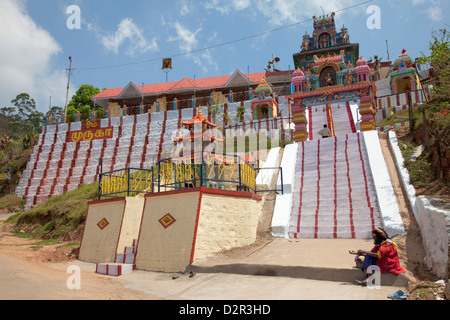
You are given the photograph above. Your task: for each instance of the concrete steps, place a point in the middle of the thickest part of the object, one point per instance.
(334, 194)
(57, 166)
(123, 264)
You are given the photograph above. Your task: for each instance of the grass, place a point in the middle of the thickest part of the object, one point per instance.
(429, 173)
(59, 216)
(11, 203)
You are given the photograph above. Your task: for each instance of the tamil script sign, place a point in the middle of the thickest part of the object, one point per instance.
(90, 130)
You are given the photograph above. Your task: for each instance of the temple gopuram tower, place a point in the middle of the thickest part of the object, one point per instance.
(329, 71)
(325, 42)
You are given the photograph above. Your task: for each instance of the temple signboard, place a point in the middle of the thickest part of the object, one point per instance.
(91, 134)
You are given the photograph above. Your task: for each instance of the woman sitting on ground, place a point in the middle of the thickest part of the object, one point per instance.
(384, 255)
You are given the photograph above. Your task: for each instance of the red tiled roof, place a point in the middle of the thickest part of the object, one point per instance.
(185, 83)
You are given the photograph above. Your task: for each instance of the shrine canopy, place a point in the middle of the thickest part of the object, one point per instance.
(199, 118)
(404, 76)
(264, 105)
(206, 125)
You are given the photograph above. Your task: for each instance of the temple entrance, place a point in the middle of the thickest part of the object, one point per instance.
(328, 77)
(404, 84)
(263, 111)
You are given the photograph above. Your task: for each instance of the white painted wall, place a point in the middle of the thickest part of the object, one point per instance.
(434, 223)
(266, 176)
(387, 200)
(435, 236)
(283, 203)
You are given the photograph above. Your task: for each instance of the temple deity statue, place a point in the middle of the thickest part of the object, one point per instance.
(349, 78)
(377, 69)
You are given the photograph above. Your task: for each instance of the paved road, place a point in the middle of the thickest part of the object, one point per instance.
(273, 272)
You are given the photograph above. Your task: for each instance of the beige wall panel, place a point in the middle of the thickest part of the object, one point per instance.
(115, 110)
(99, 246)
(167, 250)
(226, 222)
(131, 223)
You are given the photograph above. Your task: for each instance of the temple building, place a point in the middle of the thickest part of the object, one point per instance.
(329, 70)
(325, 42)
(190, 93)
(404, 75)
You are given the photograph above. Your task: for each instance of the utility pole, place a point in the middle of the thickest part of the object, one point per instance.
(387, 47)
(68, 88)
(411, 120)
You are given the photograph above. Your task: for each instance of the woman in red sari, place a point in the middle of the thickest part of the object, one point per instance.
(384, 255)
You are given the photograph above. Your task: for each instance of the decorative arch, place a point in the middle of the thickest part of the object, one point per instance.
(328, 64)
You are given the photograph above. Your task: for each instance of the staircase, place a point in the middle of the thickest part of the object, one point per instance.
(334, 195)
(57, 166)
(342, 119)
(123, 264)
(317, 119)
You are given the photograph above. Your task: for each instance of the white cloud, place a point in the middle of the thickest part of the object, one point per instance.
(435, 11)
(205, 61)
(128, 33)
(227, 6)
(280, 12)
(187, 39)
(27, 51)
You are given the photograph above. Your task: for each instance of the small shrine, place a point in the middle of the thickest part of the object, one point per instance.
(404, 76)
(197, 132)
(199, 164)
(264, 105)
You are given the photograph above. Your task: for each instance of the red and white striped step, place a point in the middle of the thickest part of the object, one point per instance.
(57, 166)
(124, 263)
(334, 195)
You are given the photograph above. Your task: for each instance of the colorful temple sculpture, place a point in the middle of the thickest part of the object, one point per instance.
(329, 71)
(264, 105)
(404, 75)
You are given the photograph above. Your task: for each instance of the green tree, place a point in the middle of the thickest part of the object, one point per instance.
(55, 113)
(83, 97)
(439, 59)
(25, 118)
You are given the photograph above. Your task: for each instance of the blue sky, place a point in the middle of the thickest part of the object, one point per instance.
(116, 36)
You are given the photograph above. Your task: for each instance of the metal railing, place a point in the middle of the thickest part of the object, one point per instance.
(129, 182)
(197, 169)
(269, 180)
(206, 169)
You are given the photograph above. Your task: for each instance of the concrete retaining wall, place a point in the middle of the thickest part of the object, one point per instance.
(283, 203)
(167, 248)
(387, 200)
(434, 223)
(225, 222)
(99, 243)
